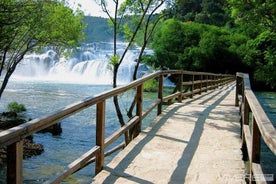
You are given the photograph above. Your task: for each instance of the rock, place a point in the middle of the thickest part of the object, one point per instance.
(30, 148)
(54, 129)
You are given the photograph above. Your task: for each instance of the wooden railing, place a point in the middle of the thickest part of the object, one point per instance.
(254, 125)
(189, 84)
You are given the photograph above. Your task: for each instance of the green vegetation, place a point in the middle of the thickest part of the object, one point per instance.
(151, 85)
(219, 36)
(212, 12)
(15, 107)
(97, 29)
(28, 25)
(194, 46)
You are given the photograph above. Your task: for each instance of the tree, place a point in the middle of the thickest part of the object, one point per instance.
(260, 55)
(212, 12)
(186, 10)
(28, 25)
(257, 20)
(193, 46)
(145, 33)
(254, 17)
(123, 10)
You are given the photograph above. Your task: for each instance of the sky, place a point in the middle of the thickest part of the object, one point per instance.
(89, 7)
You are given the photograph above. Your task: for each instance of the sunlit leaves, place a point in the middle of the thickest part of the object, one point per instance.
(193, 46)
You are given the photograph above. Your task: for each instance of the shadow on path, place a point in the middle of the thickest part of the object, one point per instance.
(180, 172)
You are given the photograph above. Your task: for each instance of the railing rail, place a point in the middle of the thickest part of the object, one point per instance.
(254, 125)
(196, 83)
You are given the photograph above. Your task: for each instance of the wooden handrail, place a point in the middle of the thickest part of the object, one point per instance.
(254, 125)
(13, 138)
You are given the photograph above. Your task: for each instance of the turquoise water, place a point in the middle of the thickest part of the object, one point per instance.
(78, 131)
(268, 159)
(268, 102)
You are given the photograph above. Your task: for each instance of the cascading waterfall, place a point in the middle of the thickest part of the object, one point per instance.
(88, 64)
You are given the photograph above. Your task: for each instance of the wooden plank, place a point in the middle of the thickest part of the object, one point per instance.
(150, 108)
(201, 84)
(75, 166)
(169, 97)
(187, 83)
(256, 142)
(248, 138)
(160, 94)
(197, 91)
(197, 82)
(265, 126)
(193, 85)
(246, 110)
(180, 87)
(121, 131)
(258, 173)
(14, 163)
(139, 110)
(109, 152)
(100, 135)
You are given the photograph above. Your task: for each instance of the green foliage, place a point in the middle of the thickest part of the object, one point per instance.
(151, 85)
(254, 17)
(257, 20)
(193, 46)
(97, 29)
(260, 54)
(15, 107)
(212, 12)
(114, 60)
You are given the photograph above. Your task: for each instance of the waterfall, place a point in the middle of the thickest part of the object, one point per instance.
(88, 64)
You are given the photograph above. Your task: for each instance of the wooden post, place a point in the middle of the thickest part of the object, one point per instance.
(245, 121)
(139, 110)
(207, 82)
(256, 146)
(193, 85)
(237, 91)
(160, 94)
(180, 87)
(100, 135)
(217, 81)
(14, 163)
(201, 78)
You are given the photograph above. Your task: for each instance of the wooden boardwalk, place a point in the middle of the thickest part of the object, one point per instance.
(197, 141)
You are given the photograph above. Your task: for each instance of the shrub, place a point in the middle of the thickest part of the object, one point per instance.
(151, 85)
(15, 107)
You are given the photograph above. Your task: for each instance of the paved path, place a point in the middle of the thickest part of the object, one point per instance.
(197, 141)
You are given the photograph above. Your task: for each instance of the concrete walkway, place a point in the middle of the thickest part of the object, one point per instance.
(197, 141)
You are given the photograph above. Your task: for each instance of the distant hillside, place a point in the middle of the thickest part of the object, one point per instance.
(97, 29)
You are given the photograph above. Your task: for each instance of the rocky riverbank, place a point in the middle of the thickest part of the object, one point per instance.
(30, 148)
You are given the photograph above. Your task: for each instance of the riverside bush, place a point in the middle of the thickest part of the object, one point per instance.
(16, 107)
